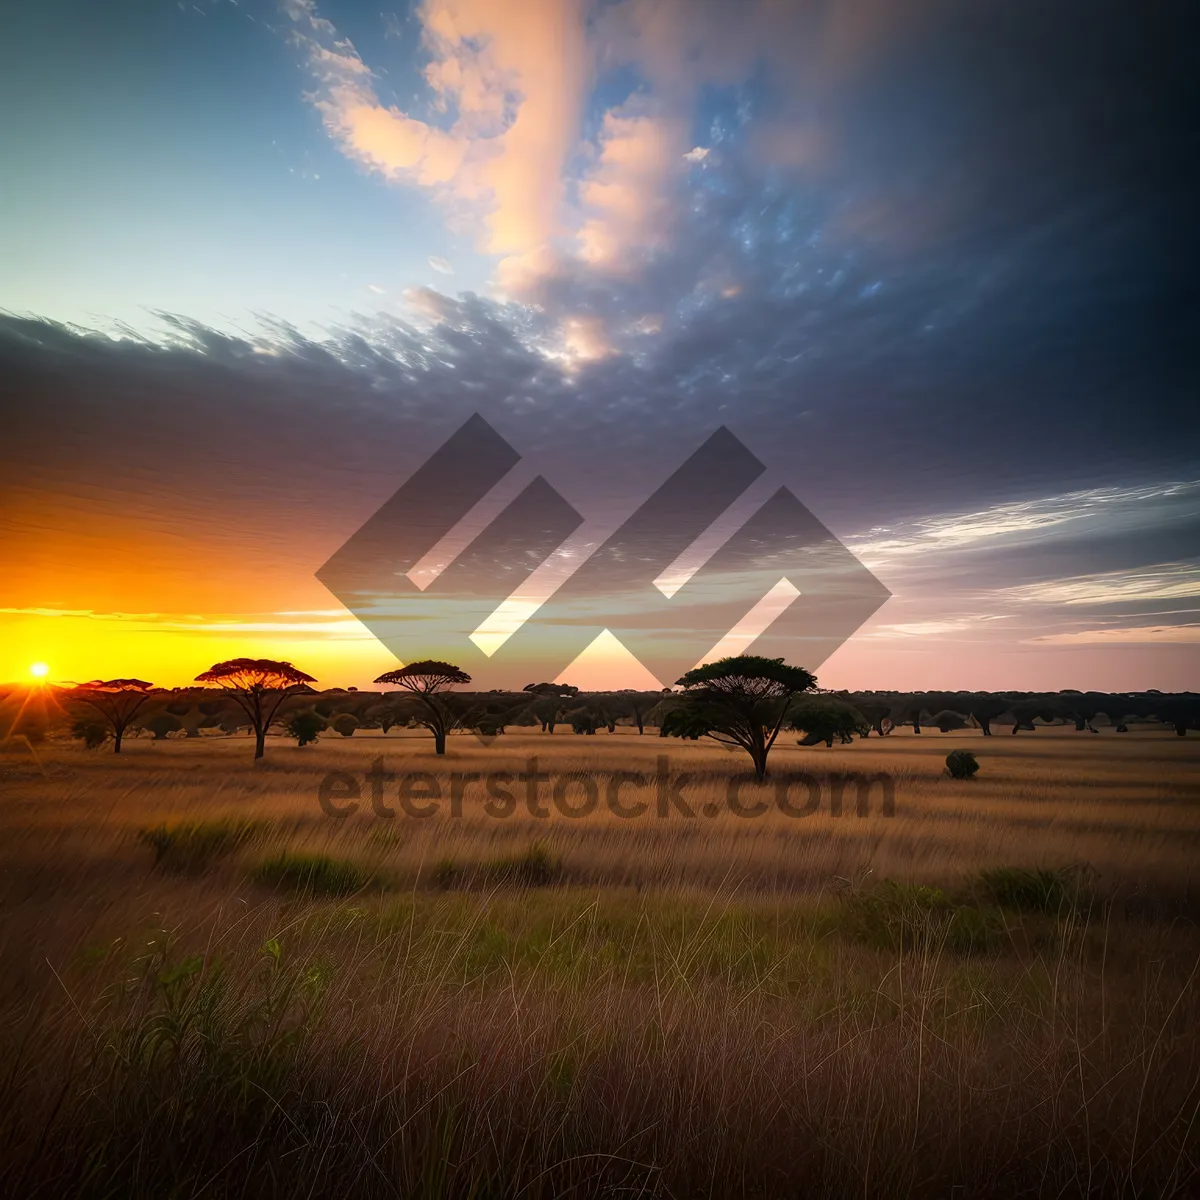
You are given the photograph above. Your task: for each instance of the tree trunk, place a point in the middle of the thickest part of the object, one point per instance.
(260, 743)
(985, 723)
(117, 735)
(439, 742)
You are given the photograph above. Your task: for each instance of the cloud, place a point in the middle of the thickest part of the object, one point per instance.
(1133, 635)
(933, 628)
(374, 287)
(440, 264)
(1012, 522)
(1167, 581)
(627, 193)
(506, 79)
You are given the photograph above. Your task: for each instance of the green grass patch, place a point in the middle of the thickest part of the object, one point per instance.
(536, 867)
(445, 874)
(907, 916)
(191, 846)
(313, 874)
(1032, 889)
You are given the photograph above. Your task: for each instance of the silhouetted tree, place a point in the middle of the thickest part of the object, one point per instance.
(345, 724)
(740, 701)
(428, 681)
(946, 720)
(876, 712)
(305, 726)
(117, 701)
(161, 724)
(551, 700)
(824, 718)
(260, 686)
(91, 733)
(985, 708)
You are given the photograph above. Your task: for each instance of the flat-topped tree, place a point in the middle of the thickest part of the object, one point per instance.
(740, 701)
(116, 700)
(430, 681)
(260, 686)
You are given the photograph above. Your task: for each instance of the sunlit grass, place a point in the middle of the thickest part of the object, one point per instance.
(946, 1002)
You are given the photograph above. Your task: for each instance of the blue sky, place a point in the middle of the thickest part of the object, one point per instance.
(931, 262)
(161, 156)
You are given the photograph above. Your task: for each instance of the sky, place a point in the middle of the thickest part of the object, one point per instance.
(932, 263)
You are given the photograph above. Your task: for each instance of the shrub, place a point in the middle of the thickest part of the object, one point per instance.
(537, 867)
(896, 916)
(946, 720)
(91, 733)
(444, 874)
(162, 725)
(193, 845)
(346, 724)
(305, 726)
(1031, 889)
(961, 764)
(315, 874)
(824, 719)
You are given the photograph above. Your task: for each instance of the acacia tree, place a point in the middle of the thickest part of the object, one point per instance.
(740, 701)
(259, 686)
(430, 681)
(116, 700)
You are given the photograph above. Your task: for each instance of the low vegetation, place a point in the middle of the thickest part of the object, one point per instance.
(257, 1000)
(312, 874)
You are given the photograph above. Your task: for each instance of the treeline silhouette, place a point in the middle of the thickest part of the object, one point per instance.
(120, 708)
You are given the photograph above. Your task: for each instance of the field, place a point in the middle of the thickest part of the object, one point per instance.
(209, 986)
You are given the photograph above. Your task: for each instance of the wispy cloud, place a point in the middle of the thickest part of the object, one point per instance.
(932, 628)
(1131, 635)
(1009, 523)
(332, 622)
(1167, 581)
(440, 264)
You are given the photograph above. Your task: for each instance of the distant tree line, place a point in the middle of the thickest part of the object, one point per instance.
(745, 701)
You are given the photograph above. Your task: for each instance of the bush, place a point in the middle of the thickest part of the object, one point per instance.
(91, 733)
(946, 720)
(315, 874)
(537, 867)
(893, 915)
(162, 725)
(345, 724)
(191, 846)
(305, 726)
(961, 764)
(444, 874)
(1030, 889)
(822, 720)
(905, 916)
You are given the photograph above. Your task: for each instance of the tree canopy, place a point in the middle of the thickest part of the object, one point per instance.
(741, 701)
(116, 700)
(260, 686)
(428, 680)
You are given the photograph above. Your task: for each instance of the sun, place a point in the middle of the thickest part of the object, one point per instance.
(39, 670)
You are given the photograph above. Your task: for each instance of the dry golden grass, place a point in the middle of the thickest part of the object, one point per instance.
(705, 1006)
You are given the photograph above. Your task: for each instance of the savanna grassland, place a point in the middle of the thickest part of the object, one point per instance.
(209, 987)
